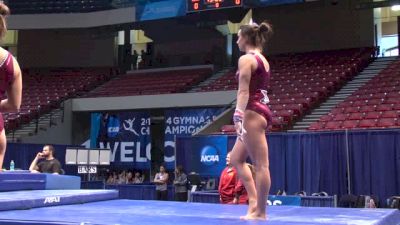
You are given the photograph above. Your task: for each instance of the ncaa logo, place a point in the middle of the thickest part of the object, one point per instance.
(209, 155)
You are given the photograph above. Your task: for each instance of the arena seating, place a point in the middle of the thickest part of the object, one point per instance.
(152, 83)
(300, 82)
(44, 90)
(374, 105)
(57, 6)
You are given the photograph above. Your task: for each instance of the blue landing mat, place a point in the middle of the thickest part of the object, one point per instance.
(173, 213)
(42, 198)
(15, 181)
(23, 180)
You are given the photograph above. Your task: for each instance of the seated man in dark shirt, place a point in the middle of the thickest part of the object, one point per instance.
(49, 164)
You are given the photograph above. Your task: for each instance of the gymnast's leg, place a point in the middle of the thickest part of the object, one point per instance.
(256, 144)
(239, 155)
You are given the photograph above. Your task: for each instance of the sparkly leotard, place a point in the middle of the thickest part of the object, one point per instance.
(258, 98)
(6, 77)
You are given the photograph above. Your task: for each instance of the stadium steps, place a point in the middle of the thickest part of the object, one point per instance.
(366, 75)
(210, 80)
(45, 121)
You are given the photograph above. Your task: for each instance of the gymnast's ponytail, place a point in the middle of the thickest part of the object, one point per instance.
(257, 35)
(4, 12)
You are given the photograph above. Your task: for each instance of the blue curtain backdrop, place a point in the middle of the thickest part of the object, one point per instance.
(375, 163)
(307, 161)
(317, 161)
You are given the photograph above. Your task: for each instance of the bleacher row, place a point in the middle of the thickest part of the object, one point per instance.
(44, 90)
(152, 83)
(375, 105)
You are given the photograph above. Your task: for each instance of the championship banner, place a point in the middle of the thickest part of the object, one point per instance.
(127, 134)
(184, 122)
(203, 155)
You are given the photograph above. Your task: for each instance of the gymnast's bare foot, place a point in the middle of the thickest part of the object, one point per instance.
(252, 209)
(254, 216)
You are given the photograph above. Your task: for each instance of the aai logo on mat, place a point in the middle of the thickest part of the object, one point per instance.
(209, 155)
(55, 199)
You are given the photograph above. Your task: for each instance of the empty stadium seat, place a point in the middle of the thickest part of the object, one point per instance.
(390, 114)
(340, 117)
(384, 107)
(388, 123)
(367, 108)
(317, 126)
(333, 125)
(350, 124)
(367, 123)
(326, 118)
(352, 109)
(337, 110)
(356, 116)
(373, 115)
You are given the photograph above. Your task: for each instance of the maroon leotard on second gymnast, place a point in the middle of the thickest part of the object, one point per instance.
(258, 98)
(6, 77)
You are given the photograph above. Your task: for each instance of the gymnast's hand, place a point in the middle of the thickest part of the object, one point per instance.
(239, 128)
(238, 120)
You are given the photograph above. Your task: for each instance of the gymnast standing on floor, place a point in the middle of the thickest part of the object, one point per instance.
(10, 82)
(252, 117)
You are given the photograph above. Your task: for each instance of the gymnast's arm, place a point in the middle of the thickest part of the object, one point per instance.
(245, 64)
(14, 92)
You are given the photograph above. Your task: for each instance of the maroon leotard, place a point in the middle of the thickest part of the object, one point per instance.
(257, 96)
(6, 77)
